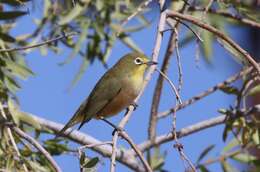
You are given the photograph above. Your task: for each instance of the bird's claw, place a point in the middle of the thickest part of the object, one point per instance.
(117, 129)
(135, 105)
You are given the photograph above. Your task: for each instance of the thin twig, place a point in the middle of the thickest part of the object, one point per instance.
(178, 57)
(136, 149)
(228, 15)
(194, 128)
(9, 132)
(217, 33)
(178, 98)
(65, 35)
(160, 80)
(138, 10)
(207, 92)
(38, 146)
(188, 27)
(95, 144)
(218, 159)
(105, 150)
(179, 146)
(158, 89)
(197, 57)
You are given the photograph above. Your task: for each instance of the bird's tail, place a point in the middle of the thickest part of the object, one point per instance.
(73, 121)
(78, 117)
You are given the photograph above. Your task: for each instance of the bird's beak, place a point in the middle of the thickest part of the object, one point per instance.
(150, 63)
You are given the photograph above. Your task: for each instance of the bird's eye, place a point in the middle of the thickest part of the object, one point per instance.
(138, 61)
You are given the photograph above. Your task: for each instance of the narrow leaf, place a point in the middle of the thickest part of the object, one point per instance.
(205, 152)
(233, 143)
(91, 163)
(11, 15)
(254, 90)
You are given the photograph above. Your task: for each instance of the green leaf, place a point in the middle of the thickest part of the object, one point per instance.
(80, 73)
(255, 90)
(78, 45)
(37, 167)
(232, 144)
(14, 3)
(227, 167)
(54, 147)
(207, 44)
(227, 129)
(205, 152)
(203, 168)
(11, 84)
(9, 163)
(230, 90)
(75, 12)
(11, 15)
(91, 163)
(7, 38)
(82, 158)
(21, 116)
(18, 69)
(157, 160)
(238, 57)
(244, 158)
(246, 135)
(130, 43)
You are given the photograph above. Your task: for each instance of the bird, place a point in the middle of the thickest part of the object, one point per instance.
(114, 92)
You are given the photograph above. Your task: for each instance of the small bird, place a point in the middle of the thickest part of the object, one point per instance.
(115, 91)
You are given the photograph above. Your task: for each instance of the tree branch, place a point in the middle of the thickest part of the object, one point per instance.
(38, 146)
(136, 149)
(218, 33)
(228, 15)
(11, 137)
(65, 35)
(195, 128)
(84, 139)
(206, 93)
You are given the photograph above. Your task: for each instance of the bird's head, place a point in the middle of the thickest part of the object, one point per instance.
(135, 63)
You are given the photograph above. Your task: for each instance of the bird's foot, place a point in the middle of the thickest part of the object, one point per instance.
(135, 105)
(117, 129)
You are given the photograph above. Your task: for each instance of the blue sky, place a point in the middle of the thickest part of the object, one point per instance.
(46, 95)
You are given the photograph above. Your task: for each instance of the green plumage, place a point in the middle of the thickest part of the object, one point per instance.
(116, 90)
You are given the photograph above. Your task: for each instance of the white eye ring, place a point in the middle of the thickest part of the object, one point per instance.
(138, 61)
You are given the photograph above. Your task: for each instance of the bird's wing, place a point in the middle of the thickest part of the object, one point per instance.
(103, 93)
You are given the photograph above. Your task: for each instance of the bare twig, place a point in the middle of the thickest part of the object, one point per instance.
(188, 27)
(95, 144)
(158, 88)
(183, 132)
(84, 139)
(38, 146)
(217, 33)
(228, 15)
(136, 149)
(65, 35)
(197, 57)
(138, 10)
(11, 137)
(178, 60)
(207, 92)
(196, 128)
(218, 159)
(178, 98)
